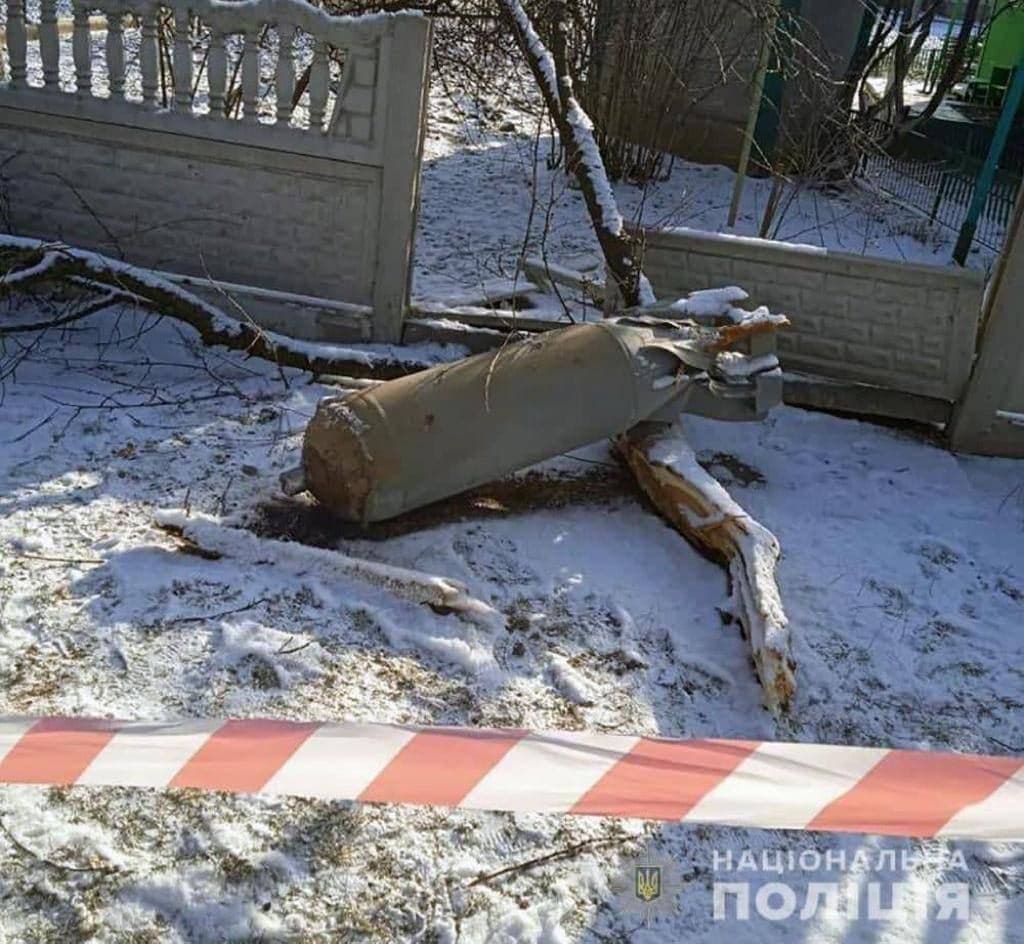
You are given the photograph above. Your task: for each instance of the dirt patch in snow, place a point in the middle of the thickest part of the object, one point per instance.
(302, 519)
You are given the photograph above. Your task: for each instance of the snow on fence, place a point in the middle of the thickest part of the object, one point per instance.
(907, 328)
(260, 142)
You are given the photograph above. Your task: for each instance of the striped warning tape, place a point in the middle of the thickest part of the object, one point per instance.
(737, 783)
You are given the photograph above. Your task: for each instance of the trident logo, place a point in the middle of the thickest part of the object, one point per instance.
(648, 882)
(648, 886)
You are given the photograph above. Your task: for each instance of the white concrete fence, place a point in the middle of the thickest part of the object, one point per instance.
(902, 328)
(260, 143)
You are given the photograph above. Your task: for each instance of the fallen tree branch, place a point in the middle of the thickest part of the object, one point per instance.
(704, 513)
(61, 560)
(215, 540)
(556, 856)
(111, 298)
(204, 617)
(26, 264)
(544, 273)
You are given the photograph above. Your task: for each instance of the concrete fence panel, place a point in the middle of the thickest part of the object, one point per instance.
(908, 328)
(262, 143)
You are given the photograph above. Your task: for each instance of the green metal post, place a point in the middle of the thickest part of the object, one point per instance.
(987, 175)
(932, 79)
(769, 118)
(868, 24)
(958, 12)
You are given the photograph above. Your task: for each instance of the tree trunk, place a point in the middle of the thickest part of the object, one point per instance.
(951, 73)
(583, 158)
(703, 512)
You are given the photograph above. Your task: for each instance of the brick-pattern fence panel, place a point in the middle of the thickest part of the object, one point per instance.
(265, 144)
(909, 328)
(191, 209)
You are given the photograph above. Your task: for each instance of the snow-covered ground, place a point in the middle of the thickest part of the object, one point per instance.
(479, 160)
(902, 575)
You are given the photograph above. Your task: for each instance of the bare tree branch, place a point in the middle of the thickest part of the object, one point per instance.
(29, 263)
(583, 158)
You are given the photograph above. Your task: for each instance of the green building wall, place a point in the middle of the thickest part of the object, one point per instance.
(1004, 44)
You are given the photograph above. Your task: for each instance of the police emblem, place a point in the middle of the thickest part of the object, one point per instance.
(648, 882)
(648, 887)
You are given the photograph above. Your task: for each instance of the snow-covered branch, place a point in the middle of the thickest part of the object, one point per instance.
(706, 515)
(583, 157)
(442, 594)
(28, 263)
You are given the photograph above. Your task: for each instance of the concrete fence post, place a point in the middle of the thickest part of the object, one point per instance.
(989, 417)
(407, 63)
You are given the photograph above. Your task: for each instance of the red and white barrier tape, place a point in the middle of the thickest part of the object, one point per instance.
(737, 783)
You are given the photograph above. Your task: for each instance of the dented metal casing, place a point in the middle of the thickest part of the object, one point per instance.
(375, 453)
